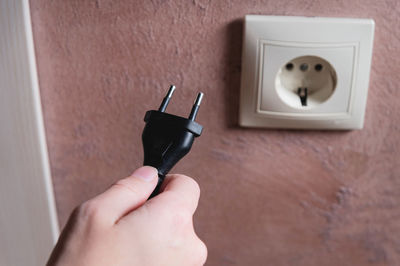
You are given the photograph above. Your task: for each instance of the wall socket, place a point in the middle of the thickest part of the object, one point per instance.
(305, 82)
(300, 72)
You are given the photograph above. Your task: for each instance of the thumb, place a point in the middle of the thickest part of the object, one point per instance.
(129, 193)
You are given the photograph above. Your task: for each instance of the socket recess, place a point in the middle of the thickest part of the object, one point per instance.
(306, 73)
(306, 82)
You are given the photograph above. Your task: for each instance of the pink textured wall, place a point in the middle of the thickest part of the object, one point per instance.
(269, 197)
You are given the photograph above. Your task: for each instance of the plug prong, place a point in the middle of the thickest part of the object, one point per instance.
(166, 99)
(303, 94)
(196, 106)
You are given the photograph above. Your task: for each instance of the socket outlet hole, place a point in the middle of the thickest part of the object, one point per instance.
(289, 66)
(306, 82)
(318, 67)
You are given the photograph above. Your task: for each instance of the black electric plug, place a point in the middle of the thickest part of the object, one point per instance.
(167, 138)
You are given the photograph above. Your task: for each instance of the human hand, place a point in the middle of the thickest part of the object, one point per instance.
(119, 227)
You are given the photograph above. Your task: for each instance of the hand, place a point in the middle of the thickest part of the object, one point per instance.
(119, 227)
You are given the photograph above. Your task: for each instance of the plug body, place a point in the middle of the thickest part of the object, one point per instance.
(168, 138)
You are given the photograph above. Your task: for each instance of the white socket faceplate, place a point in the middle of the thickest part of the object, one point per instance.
(270, 42)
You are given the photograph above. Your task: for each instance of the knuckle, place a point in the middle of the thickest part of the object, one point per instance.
(123, 184)
(180, 218)
(194, 186)
(91, 211)
(201, 252)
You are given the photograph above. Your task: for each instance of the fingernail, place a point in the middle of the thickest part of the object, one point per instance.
(147, 173)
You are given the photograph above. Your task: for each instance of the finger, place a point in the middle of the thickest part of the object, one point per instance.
(178, 190)
(129, 193)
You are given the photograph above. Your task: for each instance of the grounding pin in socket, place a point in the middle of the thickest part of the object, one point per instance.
(311, 72)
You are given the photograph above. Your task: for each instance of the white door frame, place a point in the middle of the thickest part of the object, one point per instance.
(28, 219)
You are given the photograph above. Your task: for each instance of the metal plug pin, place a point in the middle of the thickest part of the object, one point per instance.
(196, 105)
(166, 99)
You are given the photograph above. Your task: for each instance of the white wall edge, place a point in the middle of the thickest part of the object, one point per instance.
(28, 218)
(40, 124)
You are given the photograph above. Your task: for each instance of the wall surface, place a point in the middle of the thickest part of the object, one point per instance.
(269, 197)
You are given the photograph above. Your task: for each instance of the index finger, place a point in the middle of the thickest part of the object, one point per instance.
(178, 190)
